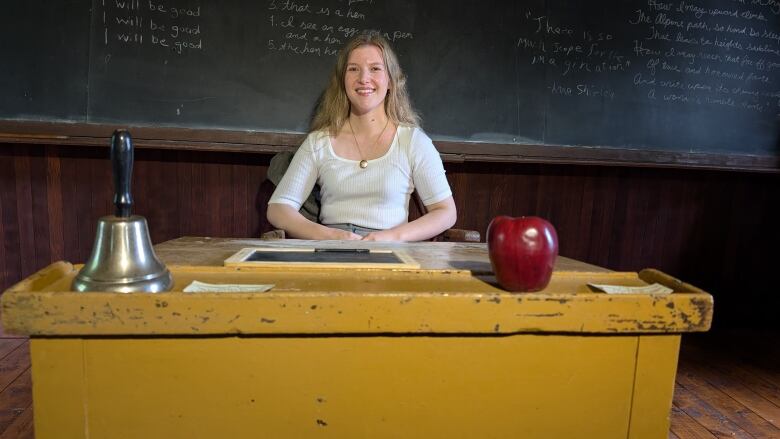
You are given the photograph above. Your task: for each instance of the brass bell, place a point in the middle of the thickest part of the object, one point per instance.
(123, 259)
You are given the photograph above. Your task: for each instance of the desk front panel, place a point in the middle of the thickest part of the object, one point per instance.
(345, 386)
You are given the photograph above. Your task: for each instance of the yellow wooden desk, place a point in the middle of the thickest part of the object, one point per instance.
(435, 352)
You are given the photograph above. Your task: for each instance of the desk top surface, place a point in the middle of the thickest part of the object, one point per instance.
(453, 292)
(451, 256)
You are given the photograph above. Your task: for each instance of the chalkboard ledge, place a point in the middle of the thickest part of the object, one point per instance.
(89, 134)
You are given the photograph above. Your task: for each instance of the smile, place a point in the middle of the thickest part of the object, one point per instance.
(365, 91)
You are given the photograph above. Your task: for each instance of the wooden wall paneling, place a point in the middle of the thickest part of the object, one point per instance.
(168, 218)
(502, 193)
(6, 180)
(247, 175)
(629, 241)
(701, 252)
(654, 246)
(762, 246)
(10, 219)
(224, 199)
(601, 233)
(156, 195)
(239, 194)
(565, 207)
(24, 209)
(546, 190)
(40, 215)
(200, 207)
(552, 201)
(216, 176)
(454, 178)
(711, 220)
(100, 193)
(257, 176)
(671, 219)
(747, 204)
(477, 197)
(184, 202)
(525, 189)
(732, 210)
(587, 183)
(72, 213)
(647, 201)
(472, 196)
(620, 228)
(265, 190)
(54, 204)
(687, 218)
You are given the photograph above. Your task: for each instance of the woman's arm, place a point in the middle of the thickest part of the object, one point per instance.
(440, 217)
(285, 217)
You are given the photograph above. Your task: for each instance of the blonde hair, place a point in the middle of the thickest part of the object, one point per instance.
(333, 110)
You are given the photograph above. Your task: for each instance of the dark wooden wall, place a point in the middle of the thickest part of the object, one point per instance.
(715, 229)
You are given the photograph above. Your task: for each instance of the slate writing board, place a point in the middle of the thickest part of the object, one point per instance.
(321, 257)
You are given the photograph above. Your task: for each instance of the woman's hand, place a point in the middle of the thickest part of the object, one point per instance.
(285, 217)
(382, 235)
(343, 234)
(440, 217)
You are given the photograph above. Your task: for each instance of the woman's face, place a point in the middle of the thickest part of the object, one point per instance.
(366, 79)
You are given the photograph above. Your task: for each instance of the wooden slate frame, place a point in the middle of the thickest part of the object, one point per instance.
(240, 259)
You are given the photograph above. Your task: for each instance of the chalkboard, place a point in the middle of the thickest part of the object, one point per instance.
(679, 76)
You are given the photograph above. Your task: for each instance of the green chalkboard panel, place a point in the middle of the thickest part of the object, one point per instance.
(685, 77)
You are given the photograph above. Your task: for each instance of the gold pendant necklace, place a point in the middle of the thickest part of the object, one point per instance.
(363, 162)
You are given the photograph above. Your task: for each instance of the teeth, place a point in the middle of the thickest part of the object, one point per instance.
(365, 91)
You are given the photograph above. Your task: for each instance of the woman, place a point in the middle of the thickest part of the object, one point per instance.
(368, 155)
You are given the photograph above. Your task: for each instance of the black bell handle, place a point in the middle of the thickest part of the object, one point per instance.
(122, 167)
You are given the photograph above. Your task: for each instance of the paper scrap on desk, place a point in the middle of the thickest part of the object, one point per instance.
(203, 287)
(655, 288)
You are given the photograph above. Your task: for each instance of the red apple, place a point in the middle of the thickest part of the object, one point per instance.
(522, 252)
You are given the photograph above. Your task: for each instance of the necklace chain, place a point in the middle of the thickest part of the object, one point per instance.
(363, 162)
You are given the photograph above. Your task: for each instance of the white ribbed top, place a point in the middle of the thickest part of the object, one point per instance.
(376, 197)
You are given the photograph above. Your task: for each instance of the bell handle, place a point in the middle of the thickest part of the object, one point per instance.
(122, 167)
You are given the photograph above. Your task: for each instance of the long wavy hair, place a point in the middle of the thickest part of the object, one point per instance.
(333, 109)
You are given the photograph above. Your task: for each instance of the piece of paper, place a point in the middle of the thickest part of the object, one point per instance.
(655, 288)
(203, 287)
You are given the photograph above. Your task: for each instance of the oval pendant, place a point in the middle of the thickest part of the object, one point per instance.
(363, 164)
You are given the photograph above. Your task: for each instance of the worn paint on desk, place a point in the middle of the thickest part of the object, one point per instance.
(350, 302)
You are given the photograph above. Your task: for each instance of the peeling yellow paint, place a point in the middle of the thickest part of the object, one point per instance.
(351, 302)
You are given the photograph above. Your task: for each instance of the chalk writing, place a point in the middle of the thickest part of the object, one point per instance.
(320, 28)
(680, 52)
(157, 24)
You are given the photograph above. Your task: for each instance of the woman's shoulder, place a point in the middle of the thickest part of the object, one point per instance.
(413, 134)
(413, 138)
(316, 140)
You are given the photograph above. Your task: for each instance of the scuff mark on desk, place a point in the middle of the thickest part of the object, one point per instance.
(551, 314)
(111, 313)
